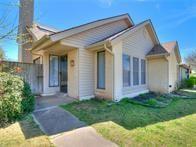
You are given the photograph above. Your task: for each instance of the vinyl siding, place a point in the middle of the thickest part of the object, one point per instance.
(137, 45)
(173, 71)
(96, 34)
(86, 58)
(158, 75)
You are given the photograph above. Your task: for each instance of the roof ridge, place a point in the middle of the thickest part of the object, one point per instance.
(125, 14)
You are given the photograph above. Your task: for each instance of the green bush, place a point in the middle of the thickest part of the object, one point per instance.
(188, 83)
(16, 98)
(28, 100)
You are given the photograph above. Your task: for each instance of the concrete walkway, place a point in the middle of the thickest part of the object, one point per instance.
(66, 130)
(83, 137)
(44, 102)
(56, 120)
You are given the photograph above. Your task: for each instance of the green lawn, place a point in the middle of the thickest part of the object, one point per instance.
(134, 125)
(23, 133)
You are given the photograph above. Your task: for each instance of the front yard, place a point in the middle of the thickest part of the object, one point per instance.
(23, 133)
(130, 124)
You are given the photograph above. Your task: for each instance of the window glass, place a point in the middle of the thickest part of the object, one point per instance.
(143, 71)
(135, 71)
(126, 71)
(54, 71)
(101, 70)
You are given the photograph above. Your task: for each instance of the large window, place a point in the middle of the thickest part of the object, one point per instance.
(126, 71)
(101, 70)
(135, 71)
(54, 71)
(143, 71)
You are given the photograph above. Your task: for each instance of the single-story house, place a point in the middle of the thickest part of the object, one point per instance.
(185, 72)
(110, 58)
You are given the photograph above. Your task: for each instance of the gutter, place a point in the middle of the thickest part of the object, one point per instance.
(113, 89)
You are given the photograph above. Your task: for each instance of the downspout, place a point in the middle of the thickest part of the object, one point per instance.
(113, 89)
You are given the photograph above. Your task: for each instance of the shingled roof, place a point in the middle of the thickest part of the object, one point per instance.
(164, 48)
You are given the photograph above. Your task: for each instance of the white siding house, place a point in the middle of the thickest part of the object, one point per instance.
(110, 58)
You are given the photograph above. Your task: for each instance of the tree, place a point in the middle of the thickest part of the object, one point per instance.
(2, 54)
(8, 20)
(191, 59)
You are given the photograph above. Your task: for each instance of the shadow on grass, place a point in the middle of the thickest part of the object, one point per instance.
(128, 115)
(29, 128)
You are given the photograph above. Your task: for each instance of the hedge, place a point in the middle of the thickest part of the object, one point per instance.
(16, 98)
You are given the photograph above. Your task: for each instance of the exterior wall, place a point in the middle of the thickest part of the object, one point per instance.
(86, 74)
(106, 93)
(88, 37)
(136, 45)
(118, 83)
(158, 75)
(173, 71)
(86, 58)
(73, 72)
(183, 73)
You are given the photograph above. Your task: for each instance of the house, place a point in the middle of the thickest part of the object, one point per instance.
(110, 58)
(185, 71)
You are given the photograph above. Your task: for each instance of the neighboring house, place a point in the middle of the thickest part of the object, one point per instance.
(185, 72)
(110, 58)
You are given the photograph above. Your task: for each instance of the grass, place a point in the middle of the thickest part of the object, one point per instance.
(23, 133)
(188, 93)
(128, 124)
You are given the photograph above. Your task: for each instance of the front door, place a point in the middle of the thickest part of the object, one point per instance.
(63, 74)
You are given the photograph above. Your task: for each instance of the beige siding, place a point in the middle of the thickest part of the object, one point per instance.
(86, 58)
(108, 91)
(73, 72)
(86, 74)
(158, 75)
(173, 71)
(96, 34)
(137, 45)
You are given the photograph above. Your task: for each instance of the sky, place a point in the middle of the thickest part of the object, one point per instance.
(172, 19)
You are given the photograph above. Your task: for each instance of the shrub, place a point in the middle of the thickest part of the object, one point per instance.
(188, 83)
(15, 98)
(28, 100)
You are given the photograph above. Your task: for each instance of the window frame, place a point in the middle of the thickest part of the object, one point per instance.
(129, 85)
(138, 73)
(50, 55)
(102, 88)
(144, 71)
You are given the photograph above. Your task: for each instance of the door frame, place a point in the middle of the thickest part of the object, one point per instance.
(60, 74)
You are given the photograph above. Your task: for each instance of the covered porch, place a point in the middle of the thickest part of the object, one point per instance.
(60, 63)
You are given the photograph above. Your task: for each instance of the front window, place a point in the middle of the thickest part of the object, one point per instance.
(135, 71)
(101, 70)
(143, 71)
(126, 71)
(53, 71)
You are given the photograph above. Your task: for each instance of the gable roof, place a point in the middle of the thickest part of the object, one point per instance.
(157, 50)
(68, 32)
(57, 36)
(165, 49)
(169, 46)
(126, 32)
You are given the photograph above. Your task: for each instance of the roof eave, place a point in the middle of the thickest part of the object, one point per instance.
(41, 41)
